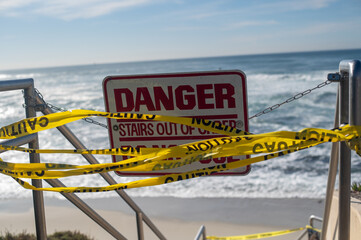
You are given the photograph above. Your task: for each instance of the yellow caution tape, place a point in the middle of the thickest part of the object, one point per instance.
(149, 162)
(257, 236)
(263, 235)
(217, 147)
(33, 125)
(237, 142)
(313, 229)
(140, 183)
(355, 144)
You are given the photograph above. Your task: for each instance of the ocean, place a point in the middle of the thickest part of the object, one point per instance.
(271, 79)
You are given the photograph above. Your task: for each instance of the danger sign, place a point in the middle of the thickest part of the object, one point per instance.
(219, 96)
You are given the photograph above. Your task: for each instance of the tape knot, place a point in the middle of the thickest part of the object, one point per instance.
(355, 144)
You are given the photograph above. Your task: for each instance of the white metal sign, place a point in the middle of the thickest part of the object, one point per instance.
(219, 96)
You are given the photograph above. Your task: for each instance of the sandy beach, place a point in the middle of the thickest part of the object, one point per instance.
(176, 218)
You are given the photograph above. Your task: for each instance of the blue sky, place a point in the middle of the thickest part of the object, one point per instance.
(41, 33)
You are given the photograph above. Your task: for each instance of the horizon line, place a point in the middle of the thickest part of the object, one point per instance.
(178, 59)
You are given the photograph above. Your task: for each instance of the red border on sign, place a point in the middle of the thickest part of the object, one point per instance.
(126, 77)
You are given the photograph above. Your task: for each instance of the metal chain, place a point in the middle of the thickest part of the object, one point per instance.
(30, 101)
(59, 109)
(265, 111)
(291, 99)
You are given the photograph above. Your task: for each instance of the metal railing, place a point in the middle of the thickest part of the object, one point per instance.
(27, 85)
(30, 108)
(348, 111)
(201, 235)
(312, 219)
(348, 103)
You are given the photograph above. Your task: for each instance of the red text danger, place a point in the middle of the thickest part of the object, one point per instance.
(183, 97)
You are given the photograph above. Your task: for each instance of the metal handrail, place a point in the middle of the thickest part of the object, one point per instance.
(201, 233)
(18, 141)
(29, 94)
(350, 71)
(314, 218)
(332, 172)
(27, 85)
(71, 197)
(311, 221)
(70, 136)
(302, 234)
(348, 108)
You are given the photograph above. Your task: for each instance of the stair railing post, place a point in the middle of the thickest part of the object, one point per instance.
(38, 198)
(350, 70)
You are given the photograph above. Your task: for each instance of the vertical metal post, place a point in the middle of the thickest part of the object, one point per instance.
(38, 199)
(201, 233)
(140, 231)
(332, 172)
(351, 72)
(355, 119)
(355, 92)
(345, 159)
